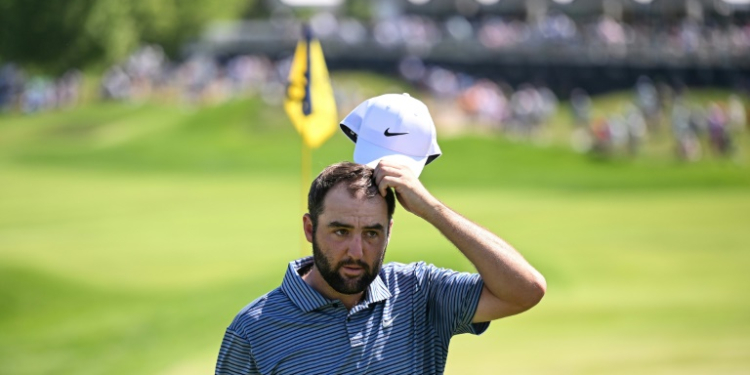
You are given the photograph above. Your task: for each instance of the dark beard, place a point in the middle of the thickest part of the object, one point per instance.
(339, 283)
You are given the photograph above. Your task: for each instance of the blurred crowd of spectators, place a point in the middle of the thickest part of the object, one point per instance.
(203, 78)
(148, 74)
(604, 33)
(458, 100)
(37, 93)
(486, 105)
(714, 127)
(694, 127)
(655, 111)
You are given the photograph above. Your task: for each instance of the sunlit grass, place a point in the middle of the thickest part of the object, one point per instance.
(131, 235)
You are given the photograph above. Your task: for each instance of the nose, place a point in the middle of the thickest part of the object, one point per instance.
(355, 247)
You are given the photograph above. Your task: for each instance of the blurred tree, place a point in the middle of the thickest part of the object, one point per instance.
(258, 9)
(172, 22)
(359, 9)
(61, 34)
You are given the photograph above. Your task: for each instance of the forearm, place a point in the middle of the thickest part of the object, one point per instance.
(506, 274)
(511, 284)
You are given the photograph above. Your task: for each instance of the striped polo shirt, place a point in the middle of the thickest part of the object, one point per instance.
(402, 326)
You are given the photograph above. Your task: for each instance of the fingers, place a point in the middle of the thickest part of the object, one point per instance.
(389, 175)
(382, 188)
(384, 184)
(389, 168)
(409, 190)
(384, 172)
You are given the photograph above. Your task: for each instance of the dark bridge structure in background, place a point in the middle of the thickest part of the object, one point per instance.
(680, 43)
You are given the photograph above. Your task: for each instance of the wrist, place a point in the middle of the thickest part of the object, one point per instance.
(434, 209)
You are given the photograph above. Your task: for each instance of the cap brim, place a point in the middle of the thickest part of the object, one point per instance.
(370, 154)
(351, 124)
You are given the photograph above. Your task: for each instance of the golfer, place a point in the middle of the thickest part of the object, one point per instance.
(342, 311)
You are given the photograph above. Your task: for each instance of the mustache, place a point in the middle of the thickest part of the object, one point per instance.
(352, 262)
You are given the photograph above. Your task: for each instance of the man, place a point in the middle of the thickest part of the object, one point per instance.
(343, 312)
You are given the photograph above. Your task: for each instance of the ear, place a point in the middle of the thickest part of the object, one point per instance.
(307, 226)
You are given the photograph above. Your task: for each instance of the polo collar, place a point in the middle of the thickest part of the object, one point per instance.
(308, 299)
(376, 291)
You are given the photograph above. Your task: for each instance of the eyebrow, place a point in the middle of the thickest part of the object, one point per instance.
(338, 224)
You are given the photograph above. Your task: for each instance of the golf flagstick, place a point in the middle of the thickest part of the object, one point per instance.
(310, 105)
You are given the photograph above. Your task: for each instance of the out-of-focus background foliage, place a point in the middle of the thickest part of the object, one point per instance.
(149, 178)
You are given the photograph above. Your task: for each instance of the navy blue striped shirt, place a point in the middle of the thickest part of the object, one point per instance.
(402, 326)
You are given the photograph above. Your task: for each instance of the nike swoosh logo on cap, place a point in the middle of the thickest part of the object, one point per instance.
(389, 134)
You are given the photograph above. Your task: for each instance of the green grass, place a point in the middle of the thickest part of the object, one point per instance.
(131, 235)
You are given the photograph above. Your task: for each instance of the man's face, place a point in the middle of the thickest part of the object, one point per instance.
(350, 239)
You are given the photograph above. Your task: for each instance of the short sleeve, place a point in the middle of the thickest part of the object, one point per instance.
(452, 301)
(235, 356)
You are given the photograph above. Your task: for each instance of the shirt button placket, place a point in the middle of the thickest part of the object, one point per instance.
(355, 335)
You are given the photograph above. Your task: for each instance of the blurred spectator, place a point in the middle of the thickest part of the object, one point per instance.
(548, 105)
(611, 32)
(143, 69)
(524, 104)
(115, 84)
(636, 128)
(352, 31)
(581, 140)
(580, 102)
(68, 89)
(412, 69)
(737, 114)
(690, 38)
(496, 33)
(11, 86)
(38, 95)
(698, 121)
(618, 132)
(557, 27)
(249, 73)
(324, 24)
(687, 145)
(601, 144)
(719, 136)
(442, 82)
(459, 28)
(417, 33)
(647, 99)
(485, 103)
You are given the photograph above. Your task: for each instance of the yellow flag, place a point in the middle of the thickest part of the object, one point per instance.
(309, 97)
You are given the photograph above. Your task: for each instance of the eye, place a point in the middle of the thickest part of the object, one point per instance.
(341, 232)
(372, 234)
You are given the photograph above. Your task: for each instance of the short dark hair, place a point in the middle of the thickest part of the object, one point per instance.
(358, 177)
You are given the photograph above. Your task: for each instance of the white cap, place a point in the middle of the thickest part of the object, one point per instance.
(393, 126)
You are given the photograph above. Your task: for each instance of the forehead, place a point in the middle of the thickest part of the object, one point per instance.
(341, 204)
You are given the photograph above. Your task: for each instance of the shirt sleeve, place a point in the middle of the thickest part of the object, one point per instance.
(235, 356)
(452, 301)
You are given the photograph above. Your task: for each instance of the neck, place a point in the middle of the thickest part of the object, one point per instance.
(317, 282)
